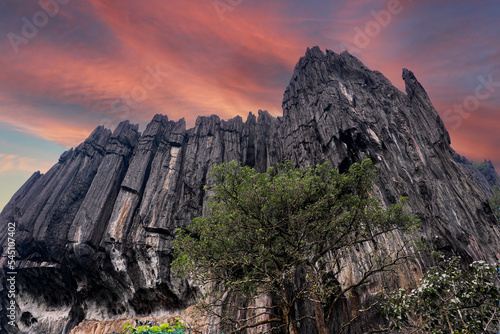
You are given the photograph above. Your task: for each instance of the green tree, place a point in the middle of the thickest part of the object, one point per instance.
(449, 299)
(495, 201)
(262, 229)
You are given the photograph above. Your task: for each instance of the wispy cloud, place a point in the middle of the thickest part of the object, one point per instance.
(14, 163)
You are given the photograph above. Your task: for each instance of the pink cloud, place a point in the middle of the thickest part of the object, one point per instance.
(14, 163)
(62, 90)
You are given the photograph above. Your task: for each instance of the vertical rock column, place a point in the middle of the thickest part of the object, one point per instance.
(89, 225)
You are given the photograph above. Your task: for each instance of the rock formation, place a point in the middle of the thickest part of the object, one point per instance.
(486, 176)
(94, 233)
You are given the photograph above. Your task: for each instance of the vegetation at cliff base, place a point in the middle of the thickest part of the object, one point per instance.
(175, 328)
(449, 299)
(290, 234)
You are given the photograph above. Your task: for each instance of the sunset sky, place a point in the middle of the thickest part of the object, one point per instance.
(67, 66)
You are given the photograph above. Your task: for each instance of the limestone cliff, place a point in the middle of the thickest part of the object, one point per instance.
(94, 233)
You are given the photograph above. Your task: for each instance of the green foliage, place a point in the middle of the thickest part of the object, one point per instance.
(449, 299)
(495, 201)
(480, 166)
(264, 227)
(175, 328)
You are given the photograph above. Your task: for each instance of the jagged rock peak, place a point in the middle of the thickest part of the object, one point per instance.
(357, 88)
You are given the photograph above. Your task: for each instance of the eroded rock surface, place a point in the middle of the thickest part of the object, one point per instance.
(94, 233)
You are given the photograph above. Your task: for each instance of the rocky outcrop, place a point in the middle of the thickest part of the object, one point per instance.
(94, 233)
(484, 173)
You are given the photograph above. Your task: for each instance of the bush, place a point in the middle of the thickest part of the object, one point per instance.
(481, 166)
(174, 328)
(449, 299)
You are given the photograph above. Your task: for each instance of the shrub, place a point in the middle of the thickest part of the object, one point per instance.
(449, 299)
(175, 328)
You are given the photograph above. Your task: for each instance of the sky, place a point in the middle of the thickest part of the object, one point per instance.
(67, 66)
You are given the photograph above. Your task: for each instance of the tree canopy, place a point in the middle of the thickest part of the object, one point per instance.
(262, 229)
